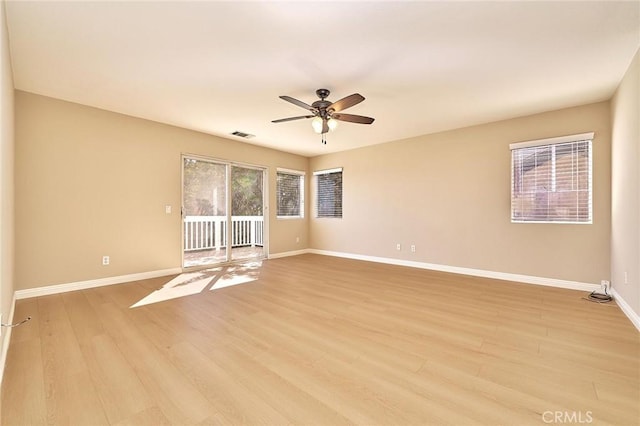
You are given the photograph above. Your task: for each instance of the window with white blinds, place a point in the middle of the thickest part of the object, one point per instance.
(329, 193)
(290, 193)
(551, 180)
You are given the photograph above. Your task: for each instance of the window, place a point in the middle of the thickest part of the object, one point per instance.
(551, 180)
(290, 193)
(329, 190)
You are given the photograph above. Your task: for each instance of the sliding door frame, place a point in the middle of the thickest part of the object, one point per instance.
(229, 200)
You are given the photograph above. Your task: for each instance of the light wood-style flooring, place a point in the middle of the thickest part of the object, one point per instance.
(318, 340)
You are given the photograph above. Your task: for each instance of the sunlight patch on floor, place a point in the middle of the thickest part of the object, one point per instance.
(240, 274)
(190, 283)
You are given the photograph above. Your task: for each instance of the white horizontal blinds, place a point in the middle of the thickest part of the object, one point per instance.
(329, 190)
(290, 193)
(552, 182)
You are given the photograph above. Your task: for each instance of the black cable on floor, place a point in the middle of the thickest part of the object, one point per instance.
(599, 297)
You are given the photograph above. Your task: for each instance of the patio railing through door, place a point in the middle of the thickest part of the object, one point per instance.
(210, 232)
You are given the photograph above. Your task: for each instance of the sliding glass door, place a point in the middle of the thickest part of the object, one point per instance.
(223, 212)
(247, 213)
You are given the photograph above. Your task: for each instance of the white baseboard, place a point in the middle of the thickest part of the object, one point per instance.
(528, 279)
(628, 311)
(6, 337)
(82, 285)
(288, 253)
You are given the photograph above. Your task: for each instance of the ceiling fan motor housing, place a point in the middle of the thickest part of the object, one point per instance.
(322, 105)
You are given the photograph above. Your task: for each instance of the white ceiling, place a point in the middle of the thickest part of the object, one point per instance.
(423, 67)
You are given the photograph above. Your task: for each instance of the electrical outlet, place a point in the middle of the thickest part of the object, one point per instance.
(398, 247)
(626, 277)
(297, 240)
(105, 260)
(606, 285)
(413, 248)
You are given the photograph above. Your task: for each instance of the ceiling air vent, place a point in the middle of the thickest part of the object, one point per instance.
(243, 134)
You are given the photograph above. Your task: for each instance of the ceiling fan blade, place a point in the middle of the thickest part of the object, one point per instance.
(353, 118)
(297, 102)
(282, 120)
(347, 102)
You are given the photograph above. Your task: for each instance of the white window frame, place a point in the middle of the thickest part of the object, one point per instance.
(302, 175)
(552, 143)
(317, 191)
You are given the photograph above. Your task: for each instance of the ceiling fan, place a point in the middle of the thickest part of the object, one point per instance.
(325, 113)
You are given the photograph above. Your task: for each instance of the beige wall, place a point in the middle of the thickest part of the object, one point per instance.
(6, 180)
(449, 194)
(91, 183)
(625, 195)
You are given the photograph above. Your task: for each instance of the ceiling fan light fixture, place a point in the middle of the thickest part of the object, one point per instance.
(332, 123)
(316, 123)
